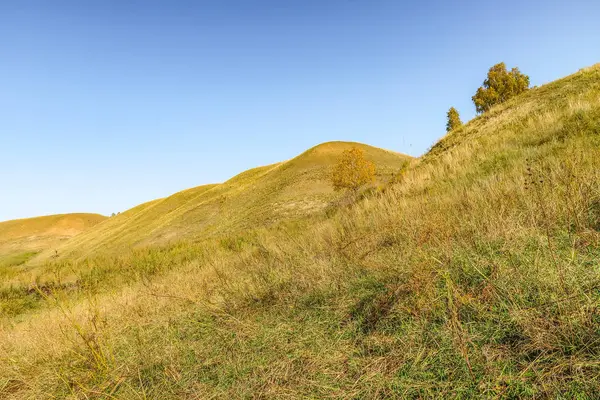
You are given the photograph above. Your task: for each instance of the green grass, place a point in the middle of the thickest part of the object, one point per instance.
(15, 260)
(476, 274)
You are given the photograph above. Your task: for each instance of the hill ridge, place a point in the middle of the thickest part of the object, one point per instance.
(258, 196)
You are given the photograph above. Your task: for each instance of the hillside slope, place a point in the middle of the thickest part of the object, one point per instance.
(476, 274)
(21, 239)
(257, 197)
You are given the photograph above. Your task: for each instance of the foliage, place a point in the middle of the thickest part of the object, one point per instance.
(499, 86)
(453, 120)
(352, 171)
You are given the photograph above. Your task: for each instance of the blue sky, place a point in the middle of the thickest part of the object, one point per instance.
(105, 104)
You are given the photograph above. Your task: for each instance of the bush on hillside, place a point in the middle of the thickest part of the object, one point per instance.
(352, 171)
(499, 86)
(453, 120)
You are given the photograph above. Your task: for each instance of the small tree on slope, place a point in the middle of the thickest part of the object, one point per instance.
(453, 120)
(352, 171)
(499, 86)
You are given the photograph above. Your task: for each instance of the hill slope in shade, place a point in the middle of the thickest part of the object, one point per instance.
(257, 197)
(20, 239)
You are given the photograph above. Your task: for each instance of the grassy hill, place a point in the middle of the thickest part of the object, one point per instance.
(23, 238)
(474, 275)
(258, 197)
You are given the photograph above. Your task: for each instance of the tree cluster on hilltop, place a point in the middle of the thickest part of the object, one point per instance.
(499, 86)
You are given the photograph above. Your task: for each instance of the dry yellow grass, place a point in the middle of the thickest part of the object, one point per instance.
(257, 197)
(20, 239)
(474, 275)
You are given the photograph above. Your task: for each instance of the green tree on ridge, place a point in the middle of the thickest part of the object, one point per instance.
(499, 86)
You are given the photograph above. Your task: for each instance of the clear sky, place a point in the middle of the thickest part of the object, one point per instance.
(105, 104)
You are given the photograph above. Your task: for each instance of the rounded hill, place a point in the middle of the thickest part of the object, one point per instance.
(256, 197)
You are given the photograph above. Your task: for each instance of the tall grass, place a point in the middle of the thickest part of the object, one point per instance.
(475, 275)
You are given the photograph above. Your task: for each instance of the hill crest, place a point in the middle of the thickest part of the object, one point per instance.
(256, 197)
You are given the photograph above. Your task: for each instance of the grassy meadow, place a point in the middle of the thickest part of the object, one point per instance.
(470, 272)
(22, 240)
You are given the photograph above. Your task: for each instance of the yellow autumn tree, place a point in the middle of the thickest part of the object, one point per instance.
(352, 171)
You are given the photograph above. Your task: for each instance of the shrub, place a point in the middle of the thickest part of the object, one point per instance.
(352, 171)
(499, 86)
(453, 120)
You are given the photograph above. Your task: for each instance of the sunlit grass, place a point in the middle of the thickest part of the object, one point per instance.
(258, 197)
(475, 275)
(22, 237)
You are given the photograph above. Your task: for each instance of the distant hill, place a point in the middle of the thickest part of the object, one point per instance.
(20, 239)
(256, 197)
